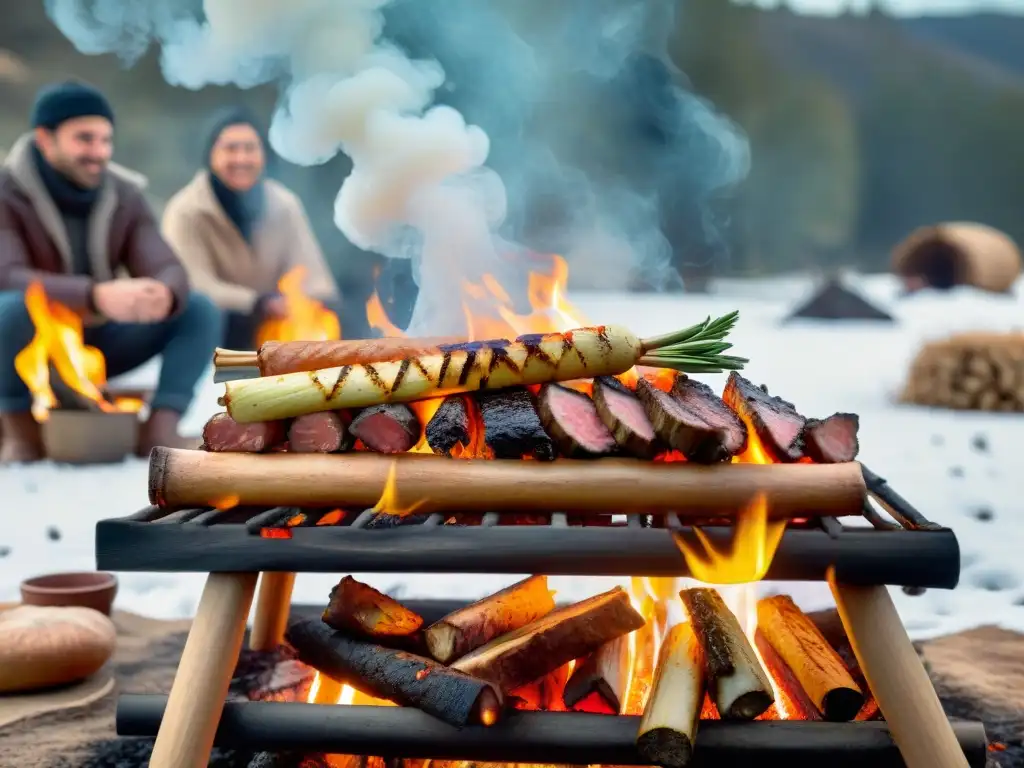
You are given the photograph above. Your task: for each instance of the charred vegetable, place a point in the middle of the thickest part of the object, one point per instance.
(532, 359)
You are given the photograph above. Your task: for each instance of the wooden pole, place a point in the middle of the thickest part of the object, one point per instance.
(897, 677)
(180, 478)
(204, 672)
(273, 604)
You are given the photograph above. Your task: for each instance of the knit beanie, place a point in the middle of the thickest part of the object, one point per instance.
(59, 102)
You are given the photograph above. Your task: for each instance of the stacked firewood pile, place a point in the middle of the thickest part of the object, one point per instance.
(970, 371)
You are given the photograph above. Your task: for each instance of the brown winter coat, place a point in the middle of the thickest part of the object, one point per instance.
(123, 236)
(228, 269)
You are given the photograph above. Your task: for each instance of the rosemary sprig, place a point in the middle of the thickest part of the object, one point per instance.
(697, 349)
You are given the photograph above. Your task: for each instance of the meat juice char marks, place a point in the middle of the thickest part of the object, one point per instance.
(775, 421)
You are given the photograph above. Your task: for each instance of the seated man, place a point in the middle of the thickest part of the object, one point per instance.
(237, 232)
(75, 224)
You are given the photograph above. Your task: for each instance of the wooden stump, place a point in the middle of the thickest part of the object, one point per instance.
(970, 371)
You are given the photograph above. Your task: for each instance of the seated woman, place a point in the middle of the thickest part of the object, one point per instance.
(238, 232)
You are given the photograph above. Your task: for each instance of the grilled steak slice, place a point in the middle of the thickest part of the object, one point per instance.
(571, 419)
(451, 424)
(832, 440)
(730, 436)
(223, 434)
(389, 428)
(318, 433)
(674, 424)
(622, 412)
(512, 428)
(778, 425)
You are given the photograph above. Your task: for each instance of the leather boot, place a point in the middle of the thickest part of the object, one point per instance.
(20, 439)
(161, 428)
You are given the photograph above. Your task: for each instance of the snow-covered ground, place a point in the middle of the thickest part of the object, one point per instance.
(929, 456)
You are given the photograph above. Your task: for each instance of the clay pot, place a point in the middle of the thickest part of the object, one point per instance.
(958, 253)
(87, 589)
(44, 647)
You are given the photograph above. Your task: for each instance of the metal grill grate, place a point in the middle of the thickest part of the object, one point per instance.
(893, 544)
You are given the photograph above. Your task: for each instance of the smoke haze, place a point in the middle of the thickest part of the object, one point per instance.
(579, 139)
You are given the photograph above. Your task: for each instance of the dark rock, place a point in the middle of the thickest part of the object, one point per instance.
(5, 551)
(53, 533)
(983, 514)
(956, 471)
(914, 591)
(980, 443)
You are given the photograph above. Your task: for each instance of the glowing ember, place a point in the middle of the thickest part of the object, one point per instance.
(58, 342)
(306, 319)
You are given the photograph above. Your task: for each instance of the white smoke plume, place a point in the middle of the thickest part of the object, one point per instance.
(419, 187)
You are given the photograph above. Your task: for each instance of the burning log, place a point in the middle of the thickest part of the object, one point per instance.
(814, 662)
(668, 728)
(388, 428)
(489, 365)
(604, 674)
(530, 652)
(792, 703)
(451, 425)
(404, 678)
(729, 435)
(384, 520)
(622, 412)
(832, 440)
(571, 419)
(222, 433)
(831, 627)
(361, 610)
(182, 478)
(544, 694)
(738, 685)
(776, 422)
(322, 432)
(512, 428)
(468, 628)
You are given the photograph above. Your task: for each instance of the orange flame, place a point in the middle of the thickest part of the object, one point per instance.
(306, 319)
(58, 342)
(388, 502)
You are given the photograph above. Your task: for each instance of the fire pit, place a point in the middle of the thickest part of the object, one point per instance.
(513, 678)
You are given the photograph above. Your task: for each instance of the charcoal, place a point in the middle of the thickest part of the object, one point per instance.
(512, 427)
(571, 419)
(730, 435)
(384, 520)
(778, 425)
(832, 440)
(388, 428)
(451, 424)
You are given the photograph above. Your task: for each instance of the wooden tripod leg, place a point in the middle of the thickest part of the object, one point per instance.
(897, 677)
(207, 663)
(273, 604)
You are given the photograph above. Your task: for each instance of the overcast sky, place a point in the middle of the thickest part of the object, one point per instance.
(901, 7)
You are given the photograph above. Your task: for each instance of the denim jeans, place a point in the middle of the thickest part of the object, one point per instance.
(185, 341)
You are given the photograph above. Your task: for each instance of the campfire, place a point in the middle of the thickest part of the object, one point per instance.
(58, 346)
(553, 453)
(306, 318)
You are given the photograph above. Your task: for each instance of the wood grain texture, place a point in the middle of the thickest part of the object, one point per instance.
(180, 478)
(897, 677)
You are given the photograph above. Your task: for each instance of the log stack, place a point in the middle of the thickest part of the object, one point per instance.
(971, 371)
